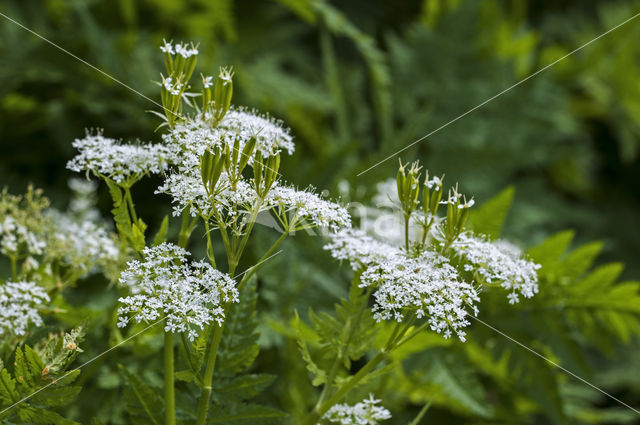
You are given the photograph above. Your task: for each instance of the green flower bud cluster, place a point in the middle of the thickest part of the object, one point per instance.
(217, 101)
(457, 214)
(180, 62)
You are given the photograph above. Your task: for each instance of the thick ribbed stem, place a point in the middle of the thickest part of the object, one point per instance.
(203, 404)
(169, 396)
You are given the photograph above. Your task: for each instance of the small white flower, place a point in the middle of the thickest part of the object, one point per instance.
(183, 50)
(167, 47)
(19, 303)
(207, 81)
(366, 412)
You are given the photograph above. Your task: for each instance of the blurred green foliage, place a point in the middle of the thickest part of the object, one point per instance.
(357, 81)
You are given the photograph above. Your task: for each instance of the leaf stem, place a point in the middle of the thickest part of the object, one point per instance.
(351, 328)
(406, 231)
(132, 208)
(14, 267)
(169, 396)
(210, 253)
(319, 411)
(237, 252)
(423, 411)
(203, 404)
(267, 254)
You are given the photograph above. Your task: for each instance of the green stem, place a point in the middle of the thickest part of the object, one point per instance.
(169, 396)
(132, 209)
(406, 338)
(14, 268)
(186, 227)
(351, 329)
(425, 230)
(223, 234)
(395, 340)
(319, 411)
(418, 418)
(406, 231)
(203, 404)
(210, 253)
(245, 237)
(268, 254)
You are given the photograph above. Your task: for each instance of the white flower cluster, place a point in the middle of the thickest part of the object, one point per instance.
(501, 262)
(367, 412)
(84, 244)
(271, 136)
(19, 303)
(385, 222)
(189, 140)
(15, 236)
(173, 87)
(360, 249)
(427, 285)
(181, 49)
(190, 296)
(119, 162)
(307, 206)
(84, 199)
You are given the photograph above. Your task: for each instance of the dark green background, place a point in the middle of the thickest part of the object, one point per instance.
(356, 81)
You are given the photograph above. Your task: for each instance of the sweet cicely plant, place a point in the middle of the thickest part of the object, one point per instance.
(421, 272)
(221, 170)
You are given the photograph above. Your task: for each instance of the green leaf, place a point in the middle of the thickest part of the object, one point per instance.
(239, 345)
(120, 211)
(601, 277)
(242, 387)
(200, 349)
(137, 235)
(56, 396)
(147, 397)
(579, 260)
(319, 375)
(489, 218)
(186, 375)
(161, 235)
(8, 392)
(450, 381)
(549, 251)
(35, 415)
(249, 414)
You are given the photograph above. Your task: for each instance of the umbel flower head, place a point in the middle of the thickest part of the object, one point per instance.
(426, 285)
(499, 262)
(164, 284)
(425, 266)
(122, 163)
(366, 412)
(233, 195)
(23, 225)
(19, 303)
